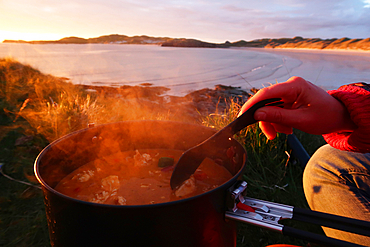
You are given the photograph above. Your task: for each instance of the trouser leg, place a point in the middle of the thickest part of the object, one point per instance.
(338, 182)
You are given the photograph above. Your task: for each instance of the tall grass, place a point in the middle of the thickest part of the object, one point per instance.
(36, 109)
(55, 107)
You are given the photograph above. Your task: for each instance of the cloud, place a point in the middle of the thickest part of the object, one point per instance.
(305, 18)
(367, 3)
(209, 20)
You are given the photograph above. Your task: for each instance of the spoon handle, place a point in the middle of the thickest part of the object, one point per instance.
(247, 117)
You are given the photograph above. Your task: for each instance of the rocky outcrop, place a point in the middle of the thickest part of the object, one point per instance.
(189, 107)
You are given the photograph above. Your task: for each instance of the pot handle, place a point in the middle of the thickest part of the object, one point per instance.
(268, 214)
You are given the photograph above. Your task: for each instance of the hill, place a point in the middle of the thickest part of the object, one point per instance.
(291, 43)
(193, 43)
(106, 39)
(308, 43)
(296, 42)
(123, 39)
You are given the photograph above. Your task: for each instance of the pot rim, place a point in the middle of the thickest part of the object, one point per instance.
(44, 185)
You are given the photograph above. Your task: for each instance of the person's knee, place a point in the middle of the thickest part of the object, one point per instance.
(335, 181)
(330, 169)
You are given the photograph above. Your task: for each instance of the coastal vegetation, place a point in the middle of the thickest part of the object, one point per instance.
(36, 109)
(280, 43)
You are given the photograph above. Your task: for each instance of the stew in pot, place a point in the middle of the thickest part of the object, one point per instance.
(139, 177)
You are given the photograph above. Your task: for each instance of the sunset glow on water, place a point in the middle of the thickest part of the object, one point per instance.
(186, 69)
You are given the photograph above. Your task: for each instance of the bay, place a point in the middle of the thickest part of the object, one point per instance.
(187, 69)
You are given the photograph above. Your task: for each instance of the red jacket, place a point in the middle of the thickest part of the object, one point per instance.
(356, 98)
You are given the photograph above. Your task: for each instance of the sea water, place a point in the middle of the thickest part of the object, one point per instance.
(187, 69)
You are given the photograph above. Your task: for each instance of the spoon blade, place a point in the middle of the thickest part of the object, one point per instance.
(191, 159)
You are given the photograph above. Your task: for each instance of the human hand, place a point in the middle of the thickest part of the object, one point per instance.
(306, 107)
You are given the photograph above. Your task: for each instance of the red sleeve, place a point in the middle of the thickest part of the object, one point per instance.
(356, 98)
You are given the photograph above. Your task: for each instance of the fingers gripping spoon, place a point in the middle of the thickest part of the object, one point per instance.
(193, 157)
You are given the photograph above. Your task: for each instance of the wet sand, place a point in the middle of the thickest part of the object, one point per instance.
(327, 68)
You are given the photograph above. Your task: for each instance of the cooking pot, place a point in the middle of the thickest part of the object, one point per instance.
(195, 221)
(204, 220)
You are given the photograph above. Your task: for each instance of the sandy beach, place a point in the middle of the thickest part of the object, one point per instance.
(327, 68)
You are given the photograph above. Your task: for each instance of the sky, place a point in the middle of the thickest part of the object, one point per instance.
(207, 20)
